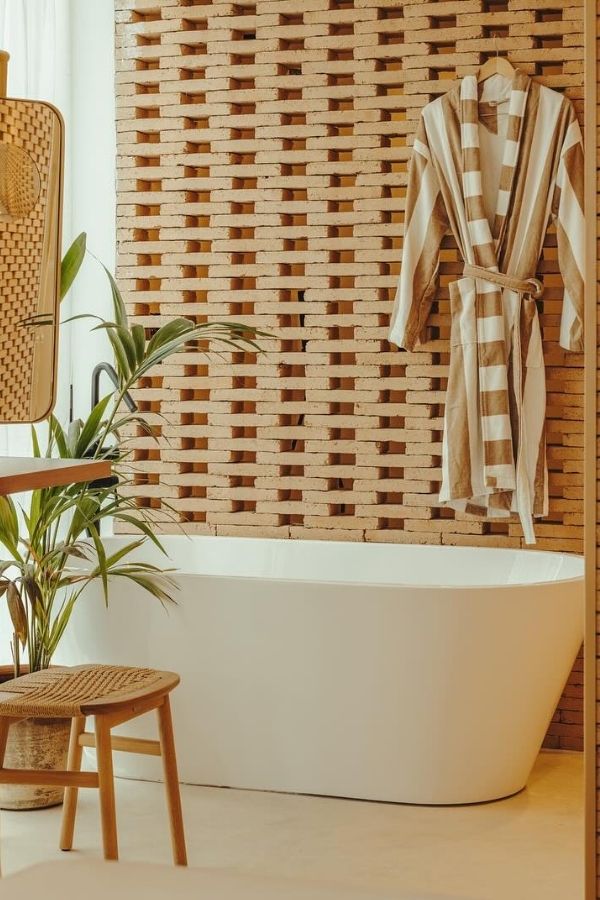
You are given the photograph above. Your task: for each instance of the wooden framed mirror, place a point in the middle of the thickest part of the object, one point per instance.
(31, 181)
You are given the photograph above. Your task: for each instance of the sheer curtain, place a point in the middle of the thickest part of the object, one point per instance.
(36, 34)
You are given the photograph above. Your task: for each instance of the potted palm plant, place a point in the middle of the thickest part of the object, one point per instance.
(52, 546)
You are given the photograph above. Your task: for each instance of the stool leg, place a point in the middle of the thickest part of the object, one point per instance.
(167, 747)
(107, 789)
(4, 729)
(71, 793)
(5, 724)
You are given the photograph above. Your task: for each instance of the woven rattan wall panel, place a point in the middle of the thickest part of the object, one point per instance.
(263, 151)
(30, 143)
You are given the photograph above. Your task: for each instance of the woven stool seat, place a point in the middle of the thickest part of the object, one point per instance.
(111, 696)
(82, 690)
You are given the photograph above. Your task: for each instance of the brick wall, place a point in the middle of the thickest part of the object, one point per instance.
(262, 163)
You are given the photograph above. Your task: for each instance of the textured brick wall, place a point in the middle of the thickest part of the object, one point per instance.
(263, 149)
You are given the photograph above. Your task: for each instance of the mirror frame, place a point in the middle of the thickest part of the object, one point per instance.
(31, 315)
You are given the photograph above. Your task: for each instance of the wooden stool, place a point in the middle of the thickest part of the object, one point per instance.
(112, 695)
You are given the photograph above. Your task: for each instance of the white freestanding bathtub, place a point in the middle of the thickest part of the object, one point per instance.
(385, 672)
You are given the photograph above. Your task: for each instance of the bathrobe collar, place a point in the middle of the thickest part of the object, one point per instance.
(485, 240)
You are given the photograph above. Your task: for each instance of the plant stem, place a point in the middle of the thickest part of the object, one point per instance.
(16, 654)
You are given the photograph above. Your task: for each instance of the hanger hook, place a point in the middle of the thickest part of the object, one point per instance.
(496, 43)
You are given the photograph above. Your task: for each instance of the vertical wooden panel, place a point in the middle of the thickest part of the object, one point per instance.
(592, 455)
(263, 150)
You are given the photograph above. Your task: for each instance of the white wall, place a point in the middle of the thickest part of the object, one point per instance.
(92, 172)
(37, 35)
(63, 51)
(84, 92)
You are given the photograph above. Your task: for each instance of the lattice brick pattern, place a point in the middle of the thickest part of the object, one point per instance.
(263, 149)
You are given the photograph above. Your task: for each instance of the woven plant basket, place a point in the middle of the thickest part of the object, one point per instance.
(34, 744)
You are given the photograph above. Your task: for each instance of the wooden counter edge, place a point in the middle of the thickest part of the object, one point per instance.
(22, 474)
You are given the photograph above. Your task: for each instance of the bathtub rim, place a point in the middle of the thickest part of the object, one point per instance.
(421, 586)
(178, 573)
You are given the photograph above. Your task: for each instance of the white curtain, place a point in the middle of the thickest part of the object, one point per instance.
(36, 34)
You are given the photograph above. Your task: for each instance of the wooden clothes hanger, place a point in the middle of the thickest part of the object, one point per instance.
(496, 65)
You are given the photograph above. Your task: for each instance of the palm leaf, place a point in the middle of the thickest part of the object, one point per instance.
(89, 432)
(57, 435)
(73, 433)
(34, 593)
(101, 567)
(116, 557)
(17, 612)
(35, 442)
(71, 264)
(120, 354)
(141, 525)
(138, 335)
(118, 304)
(9, 525)
(176, 329)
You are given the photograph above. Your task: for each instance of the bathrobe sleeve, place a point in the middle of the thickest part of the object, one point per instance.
(567, 213)
(425, 224)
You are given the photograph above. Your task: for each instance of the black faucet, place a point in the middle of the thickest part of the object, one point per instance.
(110, 371)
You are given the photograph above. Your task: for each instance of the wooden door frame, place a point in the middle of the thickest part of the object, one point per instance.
(590, 449)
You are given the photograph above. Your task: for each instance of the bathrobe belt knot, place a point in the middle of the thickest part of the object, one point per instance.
(531, 287)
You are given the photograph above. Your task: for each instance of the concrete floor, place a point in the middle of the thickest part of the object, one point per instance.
(525, 848)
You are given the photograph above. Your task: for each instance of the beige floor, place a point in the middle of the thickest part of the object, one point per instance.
(525, 848)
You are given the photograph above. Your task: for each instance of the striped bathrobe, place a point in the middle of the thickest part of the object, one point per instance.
(493, 163)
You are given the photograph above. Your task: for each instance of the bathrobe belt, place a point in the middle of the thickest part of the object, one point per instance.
(533, 287)
(524, 287)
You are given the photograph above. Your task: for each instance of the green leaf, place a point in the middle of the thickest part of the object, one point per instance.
(122, 362)
(152, 579)
(9, 525)
(90, 431)
(87, 511)
(116, 557)
(57, 435)
(142, 526)
(32, 518)
(80, 316)
(139, 339)
(73, 434)
(35, 442)
(17, 612)
(124, 337)
(131, 419)
(34, 593)
(101, 553)
(80, 550)
(71, 264)
(176, 329)
(118, 304)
